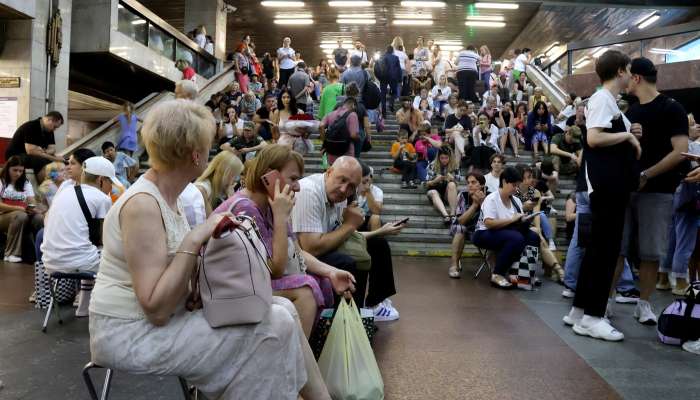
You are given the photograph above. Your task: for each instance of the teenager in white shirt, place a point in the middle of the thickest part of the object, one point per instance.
(286, 58)
(498, 162)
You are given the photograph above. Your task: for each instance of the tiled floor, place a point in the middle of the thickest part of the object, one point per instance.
(456, 339)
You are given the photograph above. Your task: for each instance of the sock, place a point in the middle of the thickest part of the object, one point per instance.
(84, 296)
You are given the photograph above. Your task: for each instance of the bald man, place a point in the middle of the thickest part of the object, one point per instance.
(323, 220)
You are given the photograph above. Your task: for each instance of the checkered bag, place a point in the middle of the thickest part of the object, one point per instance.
(522, 272)
(65, 292)
(323, 326)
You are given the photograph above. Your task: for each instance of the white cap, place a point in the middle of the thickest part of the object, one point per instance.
(101, 166)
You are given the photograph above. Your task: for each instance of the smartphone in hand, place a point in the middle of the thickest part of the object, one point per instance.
(269, 180)
(403, 221)
(690, 156)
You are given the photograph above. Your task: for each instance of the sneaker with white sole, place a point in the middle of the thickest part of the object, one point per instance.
(568, 293)
(385, 311)
(627, 297)
(644, 313)
(13, 259)
(552, 245)
(573, 317)
(692, 346)
(601, 329)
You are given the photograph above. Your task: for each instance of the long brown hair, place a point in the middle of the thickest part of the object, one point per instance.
(14, 161)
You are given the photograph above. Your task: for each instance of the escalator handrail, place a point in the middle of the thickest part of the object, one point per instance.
(553, 87)
(115, 120)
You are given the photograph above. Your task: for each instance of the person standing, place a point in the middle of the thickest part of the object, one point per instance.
(35, 143)
(390, 76)
(467, 74)
(611, 153)
(520, 62)
(340, 57)
(661, 125)
(285, 57)
(485, 65)
(128, 123)
(299, 86)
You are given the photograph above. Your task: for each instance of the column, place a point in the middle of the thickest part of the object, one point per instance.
(210, 14)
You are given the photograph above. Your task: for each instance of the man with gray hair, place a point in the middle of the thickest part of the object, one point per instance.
(355, 73)
(186, 89)
(326, 215)
(300, 86)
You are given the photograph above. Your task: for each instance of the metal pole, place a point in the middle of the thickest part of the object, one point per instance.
(48, 63)
(570, 63)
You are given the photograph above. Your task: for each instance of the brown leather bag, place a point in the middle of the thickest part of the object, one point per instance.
(234, 277)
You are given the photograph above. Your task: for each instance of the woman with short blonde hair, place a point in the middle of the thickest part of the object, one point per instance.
(138, 322)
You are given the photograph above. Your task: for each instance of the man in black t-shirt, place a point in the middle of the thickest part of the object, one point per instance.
(458, 128)
(661, 125)
(34, 141)
(263, 127)
(566, 151)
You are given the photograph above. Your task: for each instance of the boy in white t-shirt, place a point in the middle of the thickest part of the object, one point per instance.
(68, 244)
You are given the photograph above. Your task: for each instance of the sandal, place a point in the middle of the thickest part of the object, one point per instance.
(455, 272)
(500, 282)
(447, 220)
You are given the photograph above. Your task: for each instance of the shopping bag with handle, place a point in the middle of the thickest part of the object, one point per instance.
(347, 362)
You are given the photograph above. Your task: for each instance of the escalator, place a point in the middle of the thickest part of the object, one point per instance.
(556, 95)
(110, 130)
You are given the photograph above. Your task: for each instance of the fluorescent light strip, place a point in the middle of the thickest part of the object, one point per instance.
(485, 24)
(449, 42)
(328, 51)
(334, 46)
(664, 51)
(355, 16)
(498, 6)
(413, 22)
(414, 16)
(138, 22)
(358, 21)
(423, 4)
(485, 18)
(334, 43)
(450, 47)
(282, 4)
(293, 16)
(623, 32)
(649, 21)
(350, 3)
(646, 17)
(294, 21)
(599, 52)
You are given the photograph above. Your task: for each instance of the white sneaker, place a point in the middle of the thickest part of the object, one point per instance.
(385, 311)
(644, 313)
(13, 259)
(692, 346)
(573, 317)
(568, 293)
(601, 329)
(552, 245)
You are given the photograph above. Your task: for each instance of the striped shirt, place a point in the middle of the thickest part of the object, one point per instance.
(467, 60)
(312, 212)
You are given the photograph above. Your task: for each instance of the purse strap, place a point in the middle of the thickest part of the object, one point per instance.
(93, 224)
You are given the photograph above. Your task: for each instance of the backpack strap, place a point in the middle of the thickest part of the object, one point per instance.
(515, 205)
(93, 223)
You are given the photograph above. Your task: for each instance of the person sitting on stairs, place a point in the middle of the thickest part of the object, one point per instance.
(468, 208)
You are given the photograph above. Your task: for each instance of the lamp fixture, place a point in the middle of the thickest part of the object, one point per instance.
(350, 3)
(423, 4)
(623, 32)
(282, 4)
(648, 21)
(293, 16)
(599, 52)
(358, 21)
(450, 47)
(485, 24)
(294, 21)
(414, 16)
(498, 6)
(355, 16)
(138, 22)
(423, 22)
(485, 18)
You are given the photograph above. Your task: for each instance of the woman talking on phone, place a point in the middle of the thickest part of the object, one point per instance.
(503, 228)
(272, 179)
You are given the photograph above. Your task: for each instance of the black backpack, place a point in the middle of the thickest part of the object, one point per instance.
(337, 137)
(370, 94)
(380, 68)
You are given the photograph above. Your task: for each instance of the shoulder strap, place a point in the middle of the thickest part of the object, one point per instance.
(515, 204)
(93, 223)
(83, 204)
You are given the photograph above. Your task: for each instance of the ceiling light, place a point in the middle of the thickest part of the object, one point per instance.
(449, 42)
(644, 18)
(423, 4)
(294, 21)
(359, 21)
(414, 16)
(328, 51)
(599, 52)
(350, 3)
(413, 22)
(500, 6)
(623, 32)
(583, 61)
(333, 46)
(648, 21)
(664, 51)
(376, 56)
(485, 18)
(450, 47)
(138, 22)
(485, 24)
(294, 15)
(351, 16)
(120, 6)
(282, 4)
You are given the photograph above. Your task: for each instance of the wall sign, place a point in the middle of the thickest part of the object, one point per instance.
(7, 82)
(8, 116)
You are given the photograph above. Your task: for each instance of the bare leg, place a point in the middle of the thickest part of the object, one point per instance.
(535, 150)
(647, 278)
(457, 248)
(437, 202)
(305, 305)
(514, 143)
(375, 222)
(503, 140)
(452, 197)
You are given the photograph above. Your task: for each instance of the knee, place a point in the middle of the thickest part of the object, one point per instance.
(432, 193)
(20, 216)
(451, 186)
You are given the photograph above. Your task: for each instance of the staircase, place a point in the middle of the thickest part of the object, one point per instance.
(425, 234)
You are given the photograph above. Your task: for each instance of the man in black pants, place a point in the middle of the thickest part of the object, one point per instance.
(323, 221)
(611, 153)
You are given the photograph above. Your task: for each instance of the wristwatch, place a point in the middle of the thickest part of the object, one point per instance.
(643, 175)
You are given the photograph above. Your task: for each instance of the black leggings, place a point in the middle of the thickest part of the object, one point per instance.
(284, 76)
(466, 79)
(408, 169)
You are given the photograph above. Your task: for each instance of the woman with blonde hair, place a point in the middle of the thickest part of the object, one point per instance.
(485, 65)
(138, 322)
(404, 61)
(297, 275)
(443, 174)
(55, 174)
(218, 179)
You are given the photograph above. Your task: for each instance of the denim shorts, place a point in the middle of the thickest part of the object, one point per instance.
(540, 137)
(647, 220)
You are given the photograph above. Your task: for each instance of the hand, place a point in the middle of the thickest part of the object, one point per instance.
(693, 176)
(362, 189)
(283, 203)
(390, 229)
(342, 281)
(643, 179)
(450, 178)
(517, 217)
(636, 130)
(201, 233)
(478, 197)
(635, 143)
(353, 216)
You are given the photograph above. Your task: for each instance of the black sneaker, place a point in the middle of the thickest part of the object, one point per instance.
(628, 297)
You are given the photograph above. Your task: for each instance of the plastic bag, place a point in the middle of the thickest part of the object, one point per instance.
(347, 361)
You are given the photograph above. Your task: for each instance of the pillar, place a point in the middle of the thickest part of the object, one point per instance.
(210, 14)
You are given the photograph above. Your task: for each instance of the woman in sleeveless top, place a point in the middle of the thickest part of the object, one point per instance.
(128, 122)
(138, 321)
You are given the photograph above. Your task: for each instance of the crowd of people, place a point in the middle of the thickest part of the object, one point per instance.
(628, 211)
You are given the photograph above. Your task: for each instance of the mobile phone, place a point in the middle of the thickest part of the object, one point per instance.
(31, 206)
(531, 216)
(268, 181)
(693, 157)
(403, 221)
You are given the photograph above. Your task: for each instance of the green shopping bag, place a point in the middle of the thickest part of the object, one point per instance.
(347, 361)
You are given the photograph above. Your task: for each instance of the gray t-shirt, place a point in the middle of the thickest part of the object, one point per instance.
(297, 82)
(354, 74)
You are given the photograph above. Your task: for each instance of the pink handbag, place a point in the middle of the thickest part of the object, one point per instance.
(234, 274)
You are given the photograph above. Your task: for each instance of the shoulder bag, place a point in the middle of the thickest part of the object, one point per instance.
(93, 223)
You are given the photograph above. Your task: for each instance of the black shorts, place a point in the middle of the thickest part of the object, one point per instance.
(34, 162)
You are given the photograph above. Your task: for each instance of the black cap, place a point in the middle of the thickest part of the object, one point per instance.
(643, 66)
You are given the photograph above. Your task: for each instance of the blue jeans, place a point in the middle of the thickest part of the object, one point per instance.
(438, 105)
(422, 165)
(486, 77)
(683, 234)
(574, 255)
(507, 243)
(546, 227)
